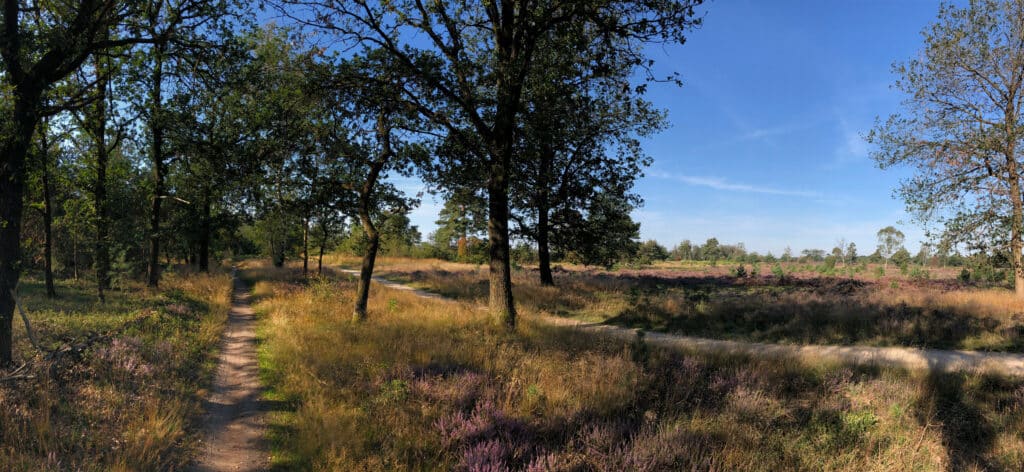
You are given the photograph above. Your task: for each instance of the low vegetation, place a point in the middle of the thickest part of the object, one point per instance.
(801, 307)
(126, 390)
(430, 385)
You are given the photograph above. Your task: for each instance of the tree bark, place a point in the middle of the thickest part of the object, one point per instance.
(204, 238)
(13, 150)
(156, 129)
(305, 246)
(365, 201)
(1016, 221)
(51, 291)
(323, 242)
(543, 204)
(510, 63)
(99, 132)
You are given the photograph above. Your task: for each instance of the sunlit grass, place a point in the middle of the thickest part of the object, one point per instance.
(130, 402)
(822, 310)
(431, 385)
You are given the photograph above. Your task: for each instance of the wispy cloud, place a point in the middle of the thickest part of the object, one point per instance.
(719, 183)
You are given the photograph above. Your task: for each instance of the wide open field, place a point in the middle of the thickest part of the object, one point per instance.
(800, 308)
(431, 385)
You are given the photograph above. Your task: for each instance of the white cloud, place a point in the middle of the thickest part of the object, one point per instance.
(719, 183)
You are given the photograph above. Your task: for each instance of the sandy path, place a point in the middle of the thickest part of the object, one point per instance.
(904, 357)
(234, 423)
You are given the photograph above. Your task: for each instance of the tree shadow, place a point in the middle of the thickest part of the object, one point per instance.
(947, 403)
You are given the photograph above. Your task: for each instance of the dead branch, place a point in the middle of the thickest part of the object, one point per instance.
(28, 326)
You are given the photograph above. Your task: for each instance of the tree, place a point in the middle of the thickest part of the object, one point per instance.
(961, 126)
(890, 240)
(851, 252)
(461, 224)
(603, 234)
(901, 258)
(711, 251)
(39, 46)
(483, 53)
(580, 136)
(650, 250)
(683, 251)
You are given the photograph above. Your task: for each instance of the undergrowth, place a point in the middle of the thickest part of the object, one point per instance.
(129, 401)
(431, 385)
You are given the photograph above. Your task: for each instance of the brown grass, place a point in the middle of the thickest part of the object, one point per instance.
(130, 402)
(430, 385)
(802, 310)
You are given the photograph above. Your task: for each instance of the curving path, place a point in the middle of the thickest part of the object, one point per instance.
(903, 357)
(234, 424)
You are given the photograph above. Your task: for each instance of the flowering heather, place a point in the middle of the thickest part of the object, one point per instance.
(431, 385)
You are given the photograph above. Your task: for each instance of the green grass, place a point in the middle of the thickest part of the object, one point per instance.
(130, 402)
(431, 385)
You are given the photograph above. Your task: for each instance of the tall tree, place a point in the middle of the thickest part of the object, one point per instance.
(890, 240)
(40, 44)
(483, 54)
(180, 31)
(961, 126)
(45, 163)
(365, 133)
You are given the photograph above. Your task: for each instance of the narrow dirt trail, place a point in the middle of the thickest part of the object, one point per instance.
(234, 423)
(903, 357)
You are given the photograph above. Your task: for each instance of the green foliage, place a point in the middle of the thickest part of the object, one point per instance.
(920, 273)
(778, 272)
(739, 272)
(650, 251)
(960, 125)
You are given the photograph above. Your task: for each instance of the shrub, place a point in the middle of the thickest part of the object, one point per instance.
(739, 272)
(778, 272)
(965, 275)
(920, 274)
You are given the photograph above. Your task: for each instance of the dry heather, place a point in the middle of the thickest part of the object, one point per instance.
(430, 385)
(129, 401)
(800, 310)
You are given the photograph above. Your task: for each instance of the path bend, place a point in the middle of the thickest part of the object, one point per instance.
(935, 360)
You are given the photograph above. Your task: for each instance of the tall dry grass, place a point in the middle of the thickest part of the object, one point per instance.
(130, 402)
(431, 385)
(824, 310)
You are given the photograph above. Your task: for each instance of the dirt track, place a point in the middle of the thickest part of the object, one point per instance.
(904, 357)
(234, 424)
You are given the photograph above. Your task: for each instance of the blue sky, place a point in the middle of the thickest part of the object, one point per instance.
(766, 141)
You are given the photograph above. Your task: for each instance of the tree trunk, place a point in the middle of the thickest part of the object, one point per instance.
(365, 201)
(305, 246)
(204, 237)
(323, 242)
(13, 149)
(543, 204)
(1016, 222)
(366, 271)
(156, 129)
(543, 251)
(51, 291)
(99, 132)
(509, 90)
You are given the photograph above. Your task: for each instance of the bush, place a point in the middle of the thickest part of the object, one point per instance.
(919, 273)
(965, 275)
(778, 272)
(880, 271)
(739, 272)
